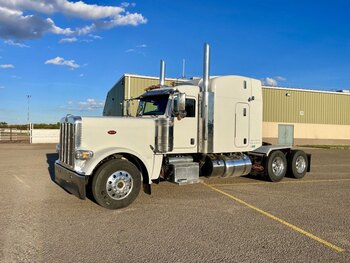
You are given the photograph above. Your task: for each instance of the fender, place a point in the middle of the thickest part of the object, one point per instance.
(150, 162)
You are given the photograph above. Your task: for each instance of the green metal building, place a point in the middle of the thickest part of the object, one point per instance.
(129, 87)
(290, 116)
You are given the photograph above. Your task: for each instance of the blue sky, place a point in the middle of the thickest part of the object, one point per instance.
(68, 54)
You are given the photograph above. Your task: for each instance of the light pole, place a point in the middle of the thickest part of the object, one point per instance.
(28, 120)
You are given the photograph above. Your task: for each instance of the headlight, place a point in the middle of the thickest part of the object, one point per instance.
(83, 154)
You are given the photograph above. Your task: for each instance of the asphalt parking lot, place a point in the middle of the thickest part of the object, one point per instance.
(222, 220)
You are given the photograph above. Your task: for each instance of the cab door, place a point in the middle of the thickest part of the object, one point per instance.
(242, 125)
(185, 129)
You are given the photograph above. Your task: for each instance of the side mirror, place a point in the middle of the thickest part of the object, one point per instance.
(181, 105)
(181, 102)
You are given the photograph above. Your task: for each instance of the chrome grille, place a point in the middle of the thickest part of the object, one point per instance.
(67, 143)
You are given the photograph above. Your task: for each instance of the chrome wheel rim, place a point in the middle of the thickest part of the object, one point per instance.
(300, 164)
(119, 185)
(278, 166)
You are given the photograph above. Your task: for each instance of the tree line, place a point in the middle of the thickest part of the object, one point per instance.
(36, 125)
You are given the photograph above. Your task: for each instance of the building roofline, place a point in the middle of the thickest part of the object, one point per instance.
(143, 76)
(152, 77)
(306, 90)
(264, 87)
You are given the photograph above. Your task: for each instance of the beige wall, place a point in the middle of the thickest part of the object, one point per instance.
(310, 133)
(45, 136)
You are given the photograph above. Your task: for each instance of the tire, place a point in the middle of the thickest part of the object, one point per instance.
(276, 166)
(297, 164)
(116, 184)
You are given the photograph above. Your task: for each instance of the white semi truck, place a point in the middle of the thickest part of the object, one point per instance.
(207, 127)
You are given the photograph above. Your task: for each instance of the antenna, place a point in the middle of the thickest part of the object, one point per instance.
(183, 68)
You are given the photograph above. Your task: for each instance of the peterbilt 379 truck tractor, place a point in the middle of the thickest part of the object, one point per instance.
(206, 127)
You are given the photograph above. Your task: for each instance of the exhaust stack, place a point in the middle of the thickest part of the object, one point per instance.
(206, 121)
(206, 66)
(162, 73)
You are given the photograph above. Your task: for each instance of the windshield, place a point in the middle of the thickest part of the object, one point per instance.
(153, 105)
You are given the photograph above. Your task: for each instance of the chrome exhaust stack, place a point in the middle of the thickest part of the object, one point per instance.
(206, 120)
(162, 73)
(206, 66)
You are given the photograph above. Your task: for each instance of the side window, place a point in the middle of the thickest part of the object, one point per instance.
(190, 108)
(150, 107)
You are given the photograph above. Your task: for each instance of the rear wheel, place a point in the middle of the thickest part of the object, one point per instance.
(116, 184)
(297, 164)
(276, 166)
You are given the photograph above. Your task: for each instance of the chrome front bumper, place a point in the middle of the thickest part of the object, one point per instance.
(72, 182)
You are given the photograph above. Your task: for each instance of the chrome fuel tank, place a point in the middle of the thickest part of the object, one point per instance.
(225, 166)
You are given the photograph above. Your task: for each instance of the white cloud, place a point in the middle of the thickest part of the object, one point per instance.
(95, 36)
(81, 75)
(62, 62)
(15, 25)
(68, 40)
(88, 105)
(2, 87)
(16, 77)
(86, 40)
(90, 102)
(126, 4)
(16, 44)
(25, 19)
(273, 81)
(7, 66)
(280, 78)
(269, 82)
(72, 9)
(91, 38)
(136, 49)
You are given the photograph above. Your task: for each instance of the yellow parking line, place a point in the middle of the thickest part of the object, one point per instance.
(288, 182)
(324, 242)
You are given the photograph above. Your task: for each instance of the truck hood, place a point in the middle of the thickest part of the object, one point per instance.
(134, 134)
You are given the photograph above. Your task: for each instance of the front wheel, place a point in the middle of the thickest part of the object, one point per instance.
(276, 166)
(116, 184)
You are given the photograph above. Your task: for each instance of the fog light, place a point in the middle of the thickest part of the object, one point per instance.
(83, 154)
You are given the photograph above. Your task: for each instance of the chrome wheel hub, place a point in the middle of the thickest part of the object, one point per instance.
(119, 185)
(278, 166)
(300, 164)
